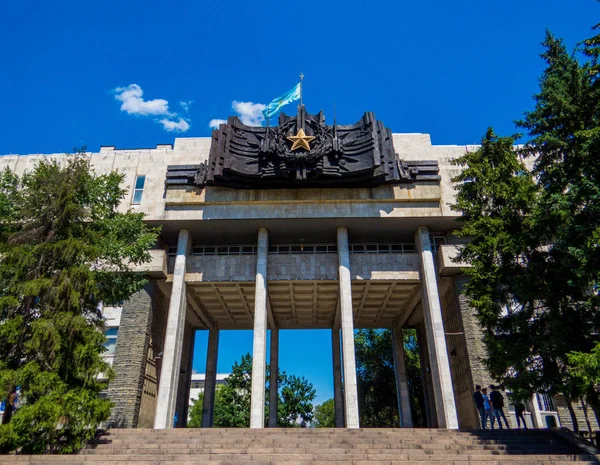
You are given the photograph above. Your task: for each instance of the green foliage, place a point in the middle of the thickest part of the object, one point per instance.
(376, 379)
(584, 369)
(232, 400)
(65, 247)
(534, 236)
(195, 413)
(325, 414)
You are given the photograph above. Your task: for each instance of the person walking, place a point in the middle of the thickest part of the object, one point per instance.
(478, 398)
(487, 405)
(497, 400)
(519, 410)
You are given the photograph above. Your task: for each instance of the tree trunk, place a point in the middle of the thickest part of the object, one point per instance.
(572, 413)
(585, 414)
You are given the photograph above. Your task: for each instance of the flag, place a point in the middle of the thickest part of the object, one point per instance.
(286, 98)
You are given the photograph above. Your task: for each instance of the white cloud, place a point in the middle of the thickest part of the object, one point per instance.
(134, 104)
(186, 105)
(177, 126)
(215, 123)
(250, 113)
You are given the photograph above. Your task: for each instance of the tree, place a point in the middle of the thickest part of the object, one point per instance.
(376, 378)
(232, 400)
(534, 235)
(65, 248)
(495, 197)
(325, 414)
(195, 413)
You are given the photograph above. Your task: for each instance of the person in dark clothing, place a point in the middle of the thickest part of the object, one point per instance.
(519, 410)
(497, 401)
(478, 398)
(9, 407)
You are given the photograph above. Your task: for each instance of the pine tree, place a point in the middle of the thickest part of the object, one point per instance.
(495, 197)
(534, 237)
(65, 248)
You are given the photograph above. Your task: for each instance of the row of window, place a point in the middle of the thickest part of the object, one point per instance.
(298, 249)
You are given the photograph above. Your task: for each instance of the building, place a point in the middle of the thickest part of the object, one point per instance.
(301, 225)
(197, 384)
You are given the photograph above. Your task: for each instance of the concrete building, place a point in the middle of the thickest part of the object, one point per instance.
(197, 384)
(234, 256)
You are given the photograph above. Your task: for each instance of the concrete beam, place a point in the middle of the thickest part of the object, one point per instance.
(272, 324)
(173, 346)
(436, 338)
(347, 320)
(259, 348)
(336, 318)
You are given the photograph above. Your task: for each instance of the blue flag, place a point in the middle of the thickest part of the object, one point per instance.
(286, 98)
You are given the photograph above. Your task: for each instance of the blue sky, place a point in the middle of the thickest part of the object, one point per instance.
(137, 73)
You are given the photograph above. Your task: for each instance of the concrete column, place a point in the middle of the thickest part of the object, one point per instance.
(404, 411)
(436, 338)
(274, 380)
(431, 419)
(536, 414)
(185, 376)
(171, 359)
(347, 320)
(259, 348)
(210, 379)
(338, 399)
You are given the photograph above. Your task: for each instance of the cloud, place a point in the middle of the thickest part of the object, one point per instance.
(133, 103)
(215, 123)
(176, 126)
(250, 113)
(186, 105)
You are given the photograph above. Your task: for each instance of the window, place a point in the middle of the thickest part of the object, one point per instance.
(111, 340)
(139, 189)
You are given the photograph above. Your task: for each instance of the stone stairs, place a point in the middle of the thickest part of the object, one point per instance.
(319, 446)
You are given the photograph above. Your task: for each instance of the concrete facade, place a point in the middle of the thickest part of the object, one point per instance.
(331, 258)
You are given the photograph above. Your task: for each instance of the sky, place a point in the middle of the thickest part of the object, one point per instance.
(135, 74)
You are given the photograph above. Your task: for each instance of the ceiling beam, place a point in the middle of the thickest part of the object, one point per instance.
(336, 318)
(413, 301)
(270, 315)
(200, 311)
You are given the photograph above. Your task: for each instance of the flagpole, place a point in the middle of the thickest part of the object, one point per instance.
(301, 84)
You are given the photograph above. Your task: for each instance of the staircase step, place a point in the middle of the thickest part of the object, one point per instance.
(318, 446)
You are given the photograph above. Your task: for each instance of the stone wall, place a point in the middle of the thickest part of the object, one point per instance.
(153, 361)
(130, 358)
(580, 415)
(296, 267)
(392, 266)
(218, 268)
(474, 348)
(462, 381)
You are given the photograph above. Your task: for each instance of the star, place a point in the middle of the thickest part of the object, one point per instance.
(300, 140)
